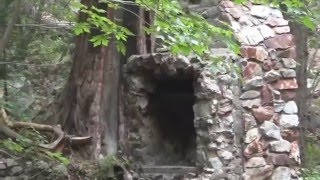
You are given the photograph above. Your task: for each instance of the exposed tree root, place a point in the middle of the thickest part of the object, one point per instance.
(63, 139)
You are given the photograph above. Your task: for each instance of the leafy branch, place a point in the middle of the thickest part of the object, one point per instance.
(185, 32)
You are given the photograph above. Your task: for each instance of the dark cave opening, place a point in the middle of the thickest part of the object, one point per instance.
(172, 103)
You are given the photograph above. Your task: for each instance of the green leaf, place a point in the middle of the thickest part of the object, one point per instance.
(81, 27)
(121, 47)
(98, 10)
(100, 40)
(104, 41)
(58, 156)
(307, 21)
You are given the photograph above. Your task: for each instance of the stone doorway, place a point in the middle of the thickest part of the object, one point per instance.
(177, 115)
(159, 118)
(171, 108)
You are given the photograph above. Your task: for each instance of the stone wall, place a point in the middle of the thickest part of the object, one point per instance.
(246, 129)
(217, 150)
(269, 112)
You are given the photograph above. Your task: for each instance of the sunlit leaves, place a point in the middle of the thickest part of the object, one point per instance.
(184, 32)
(81, 27)
(121, 47)
(97, 18)
(308, 22)
(100, 40)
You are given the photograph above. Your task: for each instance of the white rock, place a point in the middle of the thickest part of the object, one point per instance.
(226, 155)
(260, 11)
(251, 135)
(250, 36)
(269, 129)
(289, 121)
(290, 107)
(244, 20)
(280, 146)
(266, 31)
(205, 108)
(235, 26)
(215, 163)
(282, 30)
(281, 173)
(276, 13)
(278, 105)
(143, 102)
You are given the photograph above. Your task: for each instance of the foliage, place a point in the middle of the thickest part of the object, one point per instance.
(58, 156)
(37, 60)
(107, 164)
(12, 146)
(313, 152)
(185, 32)
(23, 148)
(313, 174)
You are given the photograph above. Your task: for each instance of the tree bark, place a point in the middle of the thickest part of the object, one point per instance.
(301, 39)
(89, 104)
(135, 19)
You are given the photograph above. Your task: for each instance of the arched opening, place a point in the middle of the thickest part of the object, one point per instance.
(172, 110)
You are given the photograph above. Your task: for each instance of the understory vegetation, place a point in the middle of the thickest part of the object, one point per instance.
(36, 60)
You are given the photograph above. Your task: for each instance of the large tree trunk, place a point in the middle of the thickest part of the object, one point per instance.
(89, 104)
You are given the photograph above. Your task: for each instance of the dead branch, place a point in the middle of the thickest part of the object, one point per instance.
(7, 125)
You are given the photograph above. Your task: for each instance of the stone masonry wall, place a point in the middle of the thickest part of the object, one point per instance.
(269, 83)
(262, 113)
(217, 153)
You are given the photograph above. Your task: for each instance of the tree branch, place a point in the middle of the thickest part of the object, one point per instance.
(7, 125)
